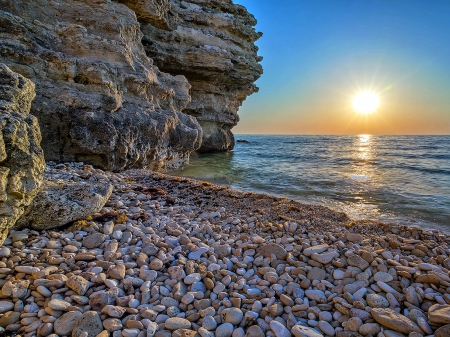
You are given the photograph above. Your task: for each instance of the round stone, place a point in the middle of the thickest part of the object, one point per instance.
(117, 272)
(6, 306)
(191, 278)
(94, 240)
(377, 301)
(369, 329)
(58, 305)
(326, 328)
(325, 316)
(222, 250)
(112, 324)
(354, 323)
(130, 332)
(156, 264)
(254, 331)
(383, 277)
(338, 274)
(188, 298)
(173, 311)
(175, 323)
(224, 330)
(232, 315)
(272, 248)
(9, 317)
(279, 329)
(209, 323)
(439, 314)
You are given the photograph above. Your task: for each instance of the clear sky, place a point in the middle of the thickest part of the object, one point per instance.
(318, 54)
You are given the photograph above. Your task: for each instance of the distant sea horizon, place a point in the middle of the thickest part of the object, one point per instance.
(402, 179)
(338, 134)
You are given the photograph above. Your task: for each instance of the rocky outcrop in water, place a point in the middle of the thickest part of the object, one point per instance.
(21, 158)
(99, 98)
(211, 42)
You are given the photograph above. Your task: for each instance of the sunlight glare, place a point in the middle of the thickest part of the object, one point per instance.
(366, 102)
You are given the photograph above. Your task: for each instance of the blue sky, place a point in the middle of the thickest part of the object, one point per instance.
(319, 54)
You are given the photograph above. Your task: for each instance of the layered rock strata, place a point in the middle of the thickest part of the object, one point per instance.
(99, 98)
(21, 158)
(211, 42)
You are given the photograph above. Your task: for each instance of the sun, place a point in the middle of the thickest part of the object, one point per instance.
(366, 102)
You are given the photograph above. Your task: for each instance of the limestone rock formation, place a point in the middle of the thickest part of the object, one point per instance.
(211, 42)
(99, 98)
(100, 95)
(21, 158)
(59, 203)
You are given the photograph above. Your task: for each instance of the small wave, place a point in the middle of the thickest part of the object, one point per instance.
(360, 178)
(425, 169)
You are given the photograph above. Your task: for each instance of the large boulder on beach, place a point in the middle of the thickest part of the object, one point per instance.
(21, 157)
(59, 203)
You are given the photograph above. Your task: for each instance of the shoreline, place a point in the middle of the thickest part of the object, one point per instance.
(170, 256)
(367, 178)
(400, 220)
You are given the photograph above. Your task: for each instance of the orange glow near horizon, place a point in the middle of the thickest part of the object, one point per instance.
(337, 116)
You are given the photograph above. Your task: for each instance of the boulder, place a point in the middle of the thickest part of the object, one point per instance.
(59, 203)
(21, 157)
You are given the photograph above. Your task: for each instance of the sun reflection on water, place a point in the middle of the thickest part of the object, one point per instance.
(363, 154)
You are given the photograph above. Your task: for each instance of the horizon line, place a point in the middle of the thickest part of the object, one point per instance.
(340, 134)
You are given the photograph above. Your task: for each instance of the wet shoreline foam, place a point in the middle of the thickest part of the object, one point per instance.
(171, 257)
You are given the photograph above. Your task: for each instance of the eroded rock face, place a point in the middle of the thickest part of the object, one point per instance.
(21, 158)
(211, 42)
(99, 98)
(59, 203)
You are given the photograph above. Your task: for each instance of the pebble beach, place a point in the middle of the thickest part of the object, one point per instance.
(174, 257)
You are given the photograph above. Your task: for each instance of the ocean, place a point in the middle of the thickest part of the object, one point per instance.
(399, 179)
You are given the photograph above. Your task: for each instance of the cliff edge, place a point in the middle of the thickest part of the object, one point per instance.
(132, 83)
(211, 43)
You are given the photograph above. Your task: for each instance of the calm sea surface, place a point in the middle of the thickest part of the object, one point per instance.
(402, 179)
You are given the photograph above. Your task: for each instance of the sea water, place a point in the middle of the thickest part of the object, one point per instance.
(400, 179)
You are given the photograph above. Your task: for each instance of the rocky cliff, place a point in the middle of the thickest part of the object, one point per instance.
(211, 42)
(102, 98)
(21, 158)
